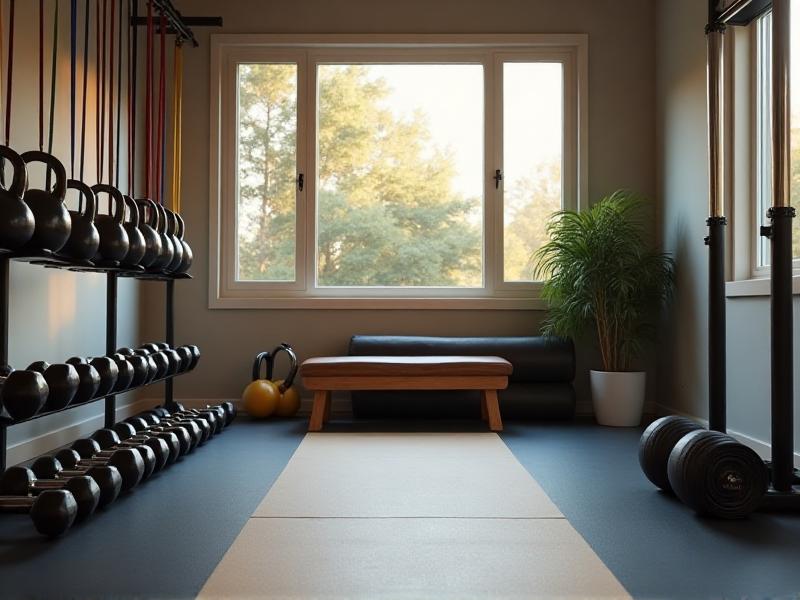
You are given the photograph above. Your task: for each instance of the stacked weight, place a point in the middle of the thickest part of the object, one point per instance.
(68, 486)
(44, 388)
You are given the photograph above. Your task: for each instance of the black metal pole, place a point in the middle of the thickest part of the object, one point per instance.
(169, 399)
(716, 324)
(4, 292)
(111, 341)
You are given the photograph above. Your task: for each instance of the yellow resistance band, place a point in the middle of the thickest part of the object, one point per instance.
(176, 128)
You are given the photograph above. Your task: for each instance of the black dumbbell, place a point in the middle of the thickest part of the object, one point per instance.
(186, 357)
(203, 424)
(192, 427)
(230, 412)
(107, 478)
(126, 431)
(89, 380)
(159, 359)
(89, 450)
(24, 393)
(137, 357)
(125, 372)
(52, 511)
(128, 461)
(209, 414)
(62, 383)
(21, 481)
(108, 440)
(195, 356)
(109, 373)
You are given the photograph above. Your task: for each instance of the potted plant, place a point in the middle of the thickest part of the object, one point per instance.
(600, 274)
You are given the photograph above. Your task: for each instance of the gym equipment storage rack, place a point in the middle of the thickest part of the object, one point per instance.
(112, 276)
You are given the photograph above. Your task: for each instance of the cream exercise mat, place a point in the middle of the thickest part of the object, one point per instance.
(408, 515)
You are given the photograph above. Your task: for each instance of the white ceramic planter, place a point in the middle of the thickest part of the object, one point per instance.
(617, 397)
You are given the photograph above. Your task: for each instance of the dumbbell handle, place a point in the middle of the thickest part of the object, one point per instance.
(21, 504)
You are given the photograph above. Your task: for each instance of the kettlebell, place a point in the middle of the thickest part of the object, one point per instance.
(62, 382)
(177, 247)
(137, 246)
(289, 401)
(108, 371)
(84, 240)
(167, 249)
(114, 241)
(261, 396)
(88, 377)
(16, 219)
(51, 217)
(148, 227)
(188, 256)
(23, 393)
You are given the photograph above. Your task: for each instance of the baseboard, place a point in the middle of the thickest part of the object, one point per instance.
(40, 444)
(762, 448)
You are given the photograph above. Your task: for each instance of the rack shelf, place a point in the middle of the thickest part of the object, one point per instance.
(112, 273)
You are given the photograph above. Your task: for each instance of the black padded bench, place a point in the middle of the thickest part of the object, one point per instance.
(540, 386)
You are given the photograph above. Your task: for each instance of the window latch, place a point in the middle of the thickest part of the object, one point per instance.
(498, 177)
(300, 182)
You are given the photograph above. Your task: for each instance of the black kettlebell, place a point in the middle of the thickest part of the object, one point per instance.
(109, 373)
(114, 243)
(84, 240)
(16, 219)
(167, 248)
(188, 255)
(23, 393)
(62, 382)
(137, 246)
(51, 217)
(149, 229)
(126, 374)
(141, 371)
(177, 247)
(89, 379)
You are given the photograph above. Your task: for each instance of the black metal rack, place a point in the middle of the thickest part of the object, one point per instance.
(112, 273)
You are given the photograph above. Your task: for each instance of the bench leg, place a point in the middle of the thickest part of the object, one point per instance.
(321, 401)
(493, 410)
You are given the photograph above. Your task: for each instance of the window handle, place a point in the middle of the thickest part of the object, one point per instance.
(300, 182)
(498, 177)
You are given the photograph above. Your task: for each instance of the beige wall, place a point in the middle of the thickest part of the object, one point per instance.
(55, 314)
(621, 61)
(682, 192)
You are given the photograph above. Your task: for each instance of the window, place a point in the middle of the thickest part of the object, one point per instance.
(405, 173)
(763, 128)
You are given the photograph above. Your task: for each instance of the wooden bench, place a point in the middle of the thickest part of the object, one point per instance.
(326, 374)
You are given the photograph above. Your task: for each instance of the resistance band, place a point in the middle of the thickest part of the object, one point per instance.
(119, 98)
(177, 125)
(98, 106)
(111, 96)
(73, 60)
(41, 75)
(162, 105)
(53, 77)
(10, 69)
(132, 50)
(86, 19)
(148, 116)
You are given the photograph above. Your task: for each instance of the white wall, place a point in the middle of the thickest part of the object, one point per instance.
(682, 191)
(55, 314)
(621, 119)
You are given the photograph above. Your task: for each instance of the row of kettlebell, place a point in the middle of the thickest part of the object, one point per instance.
(151, 237)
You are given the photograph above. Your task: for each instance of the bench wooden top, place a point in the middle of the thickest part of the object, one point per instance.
(405, 366)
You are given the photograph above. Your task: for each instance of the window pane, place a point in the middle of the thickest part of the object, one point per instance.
(266, 163)
(532, 154)
(400, 175)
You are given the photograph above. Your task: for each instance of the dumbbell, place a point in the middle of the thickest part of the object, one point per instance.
(128, 461)
(209, 414)
(89, 380)
(159, 359)
(193, 427)
(107, 478)
(62, 383)
(186, 357)
(126, 372)
(126, 431)
(144, 367)
(21, 481)
(108, 439)
(89, 450)
(52, 511)
(203, 423)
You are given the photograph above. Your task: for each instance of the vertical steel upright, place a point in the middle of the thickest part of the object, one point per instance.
(780, 233)
(4, 293)
(716, 227)
(169, 319)
(111, 340)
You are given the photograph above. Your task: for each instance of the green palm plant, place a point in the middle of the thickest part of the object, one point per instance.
(600, 273)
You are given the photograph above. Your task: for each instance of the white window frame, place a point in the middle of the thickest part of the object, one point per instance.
(227, 51)
(746, 277)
